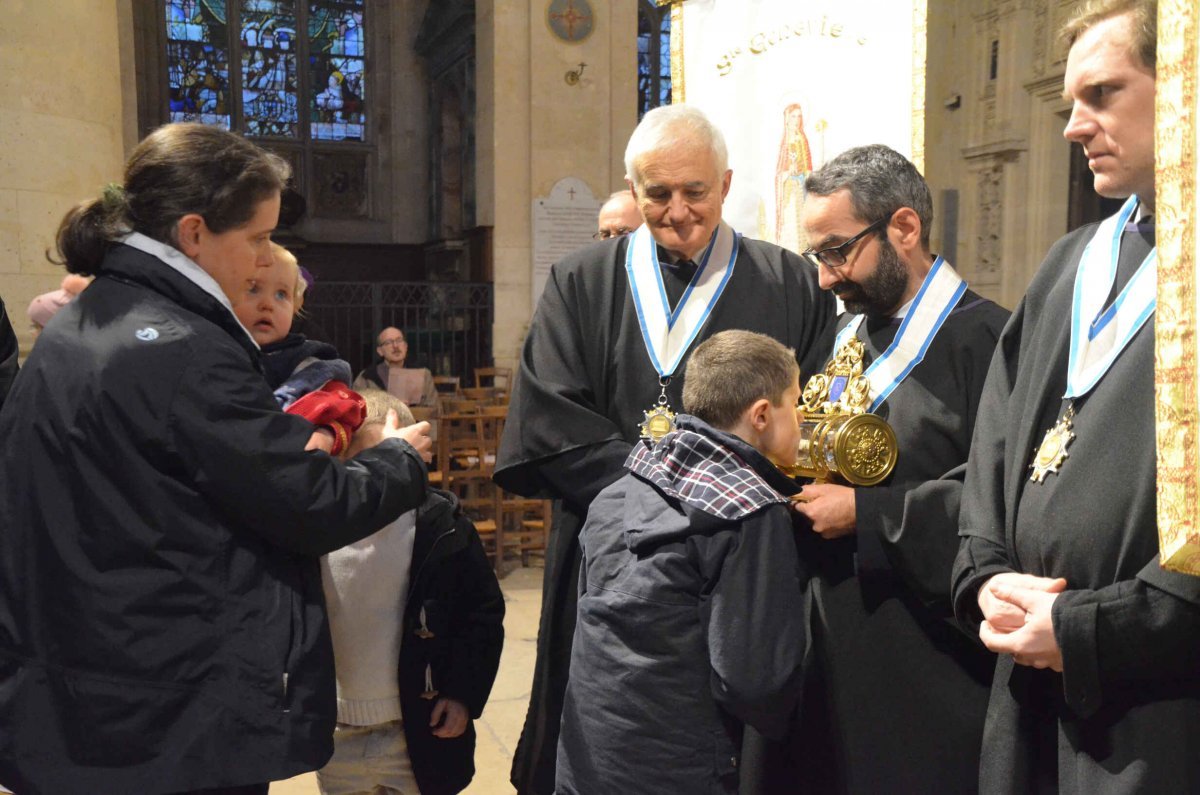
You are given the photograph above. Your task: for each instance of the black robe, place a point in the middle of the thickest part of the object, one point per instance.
(8, 354)
(583, 382)
(897, 703)
(1124, 716)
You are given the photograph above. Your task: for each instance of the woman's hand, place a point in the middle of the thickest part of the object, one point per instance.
(417, 435)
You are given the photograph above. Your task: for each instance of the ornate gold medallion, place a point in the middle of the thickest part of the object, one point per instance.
(839, 438)
(1053, 450)
(660, 421)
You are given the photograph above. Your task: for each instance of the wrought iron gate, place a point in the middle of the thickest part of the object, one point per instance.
(448, 324)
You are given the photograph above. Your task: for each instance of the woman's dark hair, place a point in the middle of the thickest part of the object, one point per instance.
(176, 170)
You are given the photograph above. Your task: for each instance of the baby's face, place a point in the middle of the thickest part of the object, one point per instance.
(268, 304)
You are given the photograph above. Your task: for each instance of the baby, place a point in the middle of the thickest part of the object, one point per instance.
(308, 377)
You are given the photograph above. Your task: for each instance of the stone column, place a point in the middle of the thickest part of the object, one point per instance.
(67, 116)
(534, 128)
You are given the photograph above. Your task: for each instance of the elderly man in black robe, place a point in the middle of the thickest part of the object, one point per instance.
(601, 362)
(896, 702)
(1097, 686)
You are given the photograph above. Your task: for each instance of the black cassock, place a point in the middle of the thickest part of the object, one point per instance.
(897, 703)
(8, 354)
(1124, 716)
(583, 382)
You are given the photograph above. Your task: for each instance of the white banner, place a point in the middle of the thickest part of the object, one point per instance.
(791, 83)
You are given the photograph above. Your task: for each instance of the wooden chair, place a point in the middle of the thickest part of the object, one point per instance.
(459, 405)
(486, 395)
(447, 384)
(423, 413)
(429, 414)
(498, 377)
(466, 460)
(525, 526)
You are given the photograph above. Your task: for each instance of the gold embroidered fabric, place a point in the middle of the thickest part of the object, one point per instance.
(1177, 411)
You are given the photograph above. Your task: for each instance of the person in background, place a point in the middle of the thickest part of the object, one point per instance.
(417, 620)
(618, 216)
(45, 306)
(413, 385)
(162, 627)
(1097, 683)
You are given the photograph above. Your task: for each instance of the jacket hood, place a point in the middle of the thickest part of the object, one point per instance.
(708, 477)
(439, 508)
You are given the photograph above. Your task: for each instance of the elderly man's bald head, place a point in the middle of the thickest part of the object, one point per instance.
(618, 215)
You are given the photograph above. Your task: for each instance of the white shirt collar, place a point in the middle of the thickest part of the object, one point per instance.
(186, 267)
(902, 311)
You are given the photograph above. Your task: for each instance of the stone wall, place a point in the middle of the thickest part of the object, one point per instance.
(534, 128)
(66, 118)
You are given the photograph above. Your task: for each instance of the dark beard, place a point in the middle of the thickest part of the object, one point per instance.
(880, 293)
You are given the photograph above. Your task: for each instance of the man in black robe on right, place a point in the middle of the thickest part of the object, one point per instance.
(897, 700)
(1097, 686)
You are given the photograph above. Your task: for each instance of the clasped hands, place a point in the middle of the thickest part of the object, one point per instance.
(1017, 618)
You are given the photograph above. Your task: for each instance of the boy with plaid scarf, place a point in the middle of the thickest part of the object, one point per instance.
(691, 620)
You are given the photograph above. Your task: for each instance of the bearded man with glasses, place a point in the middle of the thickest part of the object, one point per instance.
(413, 385)
(898, 698)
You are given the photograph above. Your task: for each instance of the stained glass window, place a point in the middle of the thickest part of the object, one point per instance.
(198, 61)
(270, 103)
(654, 56)
(269, 95)
(336, 70)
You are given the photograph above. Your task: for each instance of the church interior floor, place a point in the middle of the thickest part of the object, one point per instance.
(500, 726)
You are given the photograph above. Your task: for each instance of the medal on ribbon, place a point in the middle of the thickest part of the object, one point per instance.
(1098, 335)
(1052, 452)
(669, 334)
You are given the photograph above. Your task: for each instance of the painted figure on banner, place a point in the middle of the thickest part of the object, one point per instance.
(601, 364)
(881, 555)
(1097, 683)
(795, 161)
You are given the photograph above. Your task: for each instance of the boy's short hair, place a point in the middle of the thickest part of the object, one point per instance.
(378, 403)
(729, 371)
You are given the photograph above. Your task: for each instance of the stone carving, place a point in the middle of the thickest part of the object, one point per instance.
(990, 228)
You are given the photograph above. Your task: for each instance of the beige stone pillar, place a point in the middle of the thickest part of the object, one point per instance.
(64, 103)
(534, 128)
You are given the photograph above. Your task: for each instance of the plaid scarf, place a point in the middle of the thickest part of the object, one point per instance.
(703, 473)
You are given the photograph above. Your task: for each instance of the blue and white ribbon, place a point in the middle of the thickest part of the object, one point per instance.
(939, 294)
(667, 334)
(1098, 335)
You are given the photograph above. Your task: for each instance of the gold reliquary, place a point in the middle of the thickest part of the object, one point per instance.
(840, 440)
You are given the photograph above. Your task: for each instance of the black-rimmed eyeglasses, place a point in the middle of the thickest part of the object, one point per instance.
(834, 257)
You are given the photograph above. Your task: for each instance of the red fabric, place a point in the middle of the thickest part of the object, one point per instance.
(335, 406)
